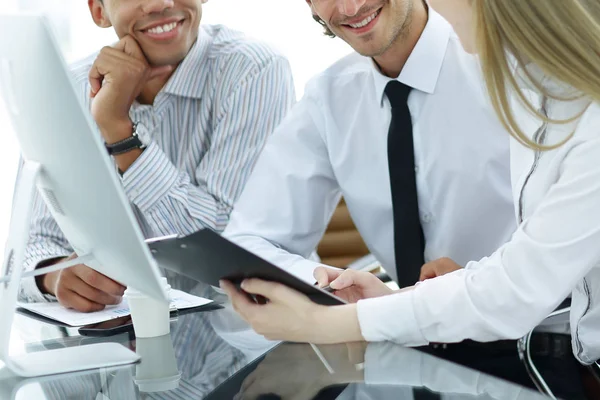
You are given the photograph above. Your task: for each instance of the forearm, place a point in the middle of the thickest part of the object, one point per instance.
(337, 324)
(167, 198)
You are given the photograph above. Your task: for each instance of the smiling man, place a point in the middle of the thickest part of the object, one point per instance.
(401, 128)
(184, 110)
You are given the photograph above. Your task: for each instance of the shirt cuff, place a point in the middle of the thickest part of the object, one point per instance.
(29, 290)
(390, 318)
(30, 293)
(149, 178)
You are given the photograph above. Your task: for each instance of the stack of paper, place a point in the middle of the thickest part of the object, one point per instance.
(179, 301)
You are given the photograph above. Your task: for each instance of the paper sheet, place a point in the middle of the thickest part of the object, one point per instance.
(179, 301)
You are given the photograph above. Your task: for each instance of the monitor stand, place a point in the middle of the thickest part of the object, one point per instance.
(48, 362)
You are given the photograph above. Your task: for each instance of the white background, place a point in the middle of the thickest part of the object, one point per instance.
(286, 24)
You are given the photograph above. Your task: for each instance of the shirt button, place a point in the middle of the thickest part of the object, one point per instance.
(416, 169)
(427, 218)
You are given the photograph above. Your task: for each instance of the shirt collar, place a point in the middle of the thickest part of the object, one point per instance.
(422, 69)
(189, 78)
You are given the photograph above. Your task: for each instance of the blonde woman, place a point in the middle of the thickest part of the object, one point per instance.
(550, 106)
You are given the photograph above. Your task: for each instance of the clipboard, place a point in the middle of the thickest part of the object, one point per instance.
(208, 257)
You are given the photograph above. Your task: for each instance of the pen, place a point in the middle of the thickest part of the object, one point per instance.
(327, 289)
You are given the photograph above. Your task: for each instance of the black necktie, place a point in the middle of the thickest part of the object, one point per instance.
(409, 243)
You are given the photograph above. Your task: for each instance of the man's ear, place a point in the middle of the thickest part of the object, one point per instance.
(99, 13)
(312, 9)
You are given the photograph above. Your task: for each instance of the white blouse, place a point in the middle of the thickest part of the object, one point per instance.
(554, 252)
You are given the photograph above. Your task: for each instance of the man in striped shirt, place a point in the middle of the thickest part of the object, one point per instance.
(202, 100)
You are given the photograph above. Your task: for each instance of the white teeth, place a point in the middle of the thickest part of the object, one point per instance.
(365, 21)
(164, 28)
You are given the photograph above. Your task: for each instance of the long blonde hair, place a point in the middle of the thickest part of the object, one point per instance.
(562, 37)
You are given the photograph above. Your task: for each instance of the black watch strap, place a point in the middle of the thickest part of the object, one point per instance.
(131, 143)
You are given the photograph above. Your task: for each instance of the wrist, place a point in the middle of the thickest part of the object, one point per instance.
(46, 283)
(338, 324)
(116, 130)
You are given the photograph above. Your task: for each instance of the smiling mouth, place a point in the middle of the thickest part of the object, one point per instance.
(163, 28)
(365, 21)
(164, 31)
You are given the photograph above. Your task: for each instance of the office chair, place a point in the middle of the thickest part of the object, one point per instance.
(524, 349)
(341, 244)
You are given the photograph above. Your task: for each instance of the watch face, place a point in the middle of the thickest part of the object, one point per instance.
(140, 131)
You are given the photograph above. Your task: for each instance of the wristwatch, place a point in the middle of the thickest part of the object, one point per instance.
(131, 143)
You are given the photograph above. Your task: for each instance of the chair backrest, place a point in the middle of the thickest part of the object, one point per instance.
(341, 243)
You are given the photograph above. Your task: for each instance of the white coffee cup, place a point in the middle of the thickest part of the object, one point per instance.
(157, 372)
(150, 317)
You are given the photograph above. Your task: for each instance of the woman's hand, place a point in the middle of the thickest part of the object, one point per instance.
(291, 316)
(439, 267)
(351, 285)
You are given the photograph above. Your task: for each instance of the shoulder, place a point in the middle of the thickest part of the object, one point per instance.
(349, 66)
(348, 74)
(233, 50)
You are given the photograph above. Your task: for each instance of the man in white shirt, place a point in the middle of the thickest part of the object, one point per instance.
(334, 142)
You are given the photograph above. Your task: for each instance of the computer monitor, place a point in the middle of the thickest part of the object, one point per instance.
(66, 156)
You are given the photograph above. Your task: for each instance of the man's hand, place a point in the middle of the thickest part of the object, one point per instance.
(117, 78)
(439, 267)
(351, 285)
(82, 288)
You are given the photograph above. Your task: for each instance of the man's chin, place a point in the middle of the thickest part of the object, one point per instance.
(370, 51)
(162, 61)
(367, 47)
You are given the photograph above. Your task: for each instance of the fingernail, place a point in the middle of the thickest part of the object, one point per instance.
(336, 283)
(243, 285)
(221, 283)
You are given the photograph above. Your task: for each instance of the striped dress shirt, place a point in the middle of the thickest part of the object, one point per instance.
(203, 133)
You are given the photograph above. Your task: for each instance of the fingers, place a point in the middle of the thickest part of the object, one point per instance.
(324, 275)
(95, 77)
(349, 278)
(270, 290)
(114, 59)
(240, 302)
(439, 267)
(93, 294)
(98, 281)
(427, 272)
(130, 46)
(69, 299)
(74, 292)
